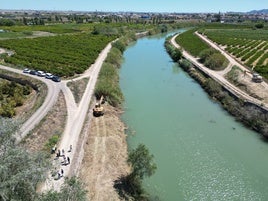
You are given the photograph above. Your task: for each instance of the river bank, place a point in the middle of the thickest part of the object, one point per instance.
(105, 155)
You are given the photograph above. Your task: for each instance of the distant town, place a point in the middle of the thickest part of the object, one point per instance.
(36, 17)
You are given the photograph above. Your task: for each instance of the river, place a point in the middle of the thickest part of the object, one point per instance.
(201, 152)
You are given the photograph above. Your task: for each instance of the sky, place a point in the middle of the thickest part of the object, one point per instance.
(178, 6)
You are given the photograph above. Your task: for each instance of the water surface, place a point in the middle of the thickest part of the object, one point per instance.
(201, 152)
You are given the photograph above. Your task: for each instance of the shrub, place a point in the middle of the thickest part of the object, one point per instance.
(215, 61)
(259, 26)
(119, 45)
(52, 142)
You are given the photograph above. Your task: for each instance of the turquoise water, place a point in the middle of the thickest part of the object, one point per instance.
(201, 152)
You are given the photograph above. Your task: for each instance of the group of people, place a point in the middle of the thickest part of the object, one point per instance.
(66, 160)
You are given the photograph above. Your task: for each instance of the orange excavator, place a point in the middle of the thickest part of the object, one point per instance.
(98, 110)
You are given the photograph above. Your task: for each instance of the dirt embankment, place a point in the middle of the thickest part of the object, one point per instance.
(105, 155)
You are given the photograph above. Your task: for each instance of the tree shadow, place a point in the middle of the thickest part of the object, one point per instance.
(130, 188)
(122, 188)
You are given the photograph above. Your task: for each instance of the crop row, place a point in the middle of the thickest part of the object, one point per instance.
(237, 33)
(254, 58)
(250, 46)
(262, 59)
(64, 55)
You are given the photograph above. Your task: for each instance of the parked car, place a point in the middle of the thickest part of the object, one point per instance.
(33, 72)
(256, 77)
(56, 78)
(26, 70)
(41, 73)
(49, 76)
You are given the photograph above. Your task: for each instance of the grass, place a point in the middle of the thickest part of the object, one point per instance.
(191, 42)
(9, 35)
(78, 88)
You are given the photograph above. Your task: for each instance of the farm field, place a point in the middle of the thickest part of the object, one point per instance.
(67, 49)
(54, 28)
(64, 55)
(249, 46)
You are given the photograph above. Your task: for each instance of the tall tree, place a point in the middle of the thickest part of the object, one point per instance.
(20, 171)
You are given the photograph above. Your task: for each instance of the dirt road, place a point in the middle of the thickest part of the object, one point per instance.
(53, 91)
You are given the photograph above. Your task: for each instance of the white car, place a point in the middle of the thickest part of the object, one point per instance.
(26, 70)
(41, 73)
(49, 75)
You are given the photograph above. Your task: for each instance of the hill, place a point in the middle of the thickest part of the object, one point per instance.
(263, 11)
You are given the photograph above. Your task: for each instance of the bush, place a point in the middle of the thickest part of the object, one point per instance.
(174, 52)
(215, 61)
(108, 80)
(52, 142)
(114, 57)
(119, 45)
(108, 84)
(206, 54)
(259, 26)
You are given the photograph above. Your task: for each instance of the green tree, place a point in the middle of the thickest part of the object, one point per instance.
(25, 21)
(142, 162)
(20, 171)
(6, 22)
(142, 165)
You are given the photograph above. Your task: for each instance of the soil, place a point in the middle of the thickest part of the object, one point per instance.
(257, 90)
(105, 155)
(22, 111)
(51, 125)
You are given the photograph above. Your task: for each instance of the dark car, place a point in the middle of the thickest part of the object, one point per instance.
(56, 78)
(33, 72)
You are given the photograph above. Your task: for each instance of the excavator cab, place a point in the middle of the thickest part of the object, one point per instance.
(98, 110)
